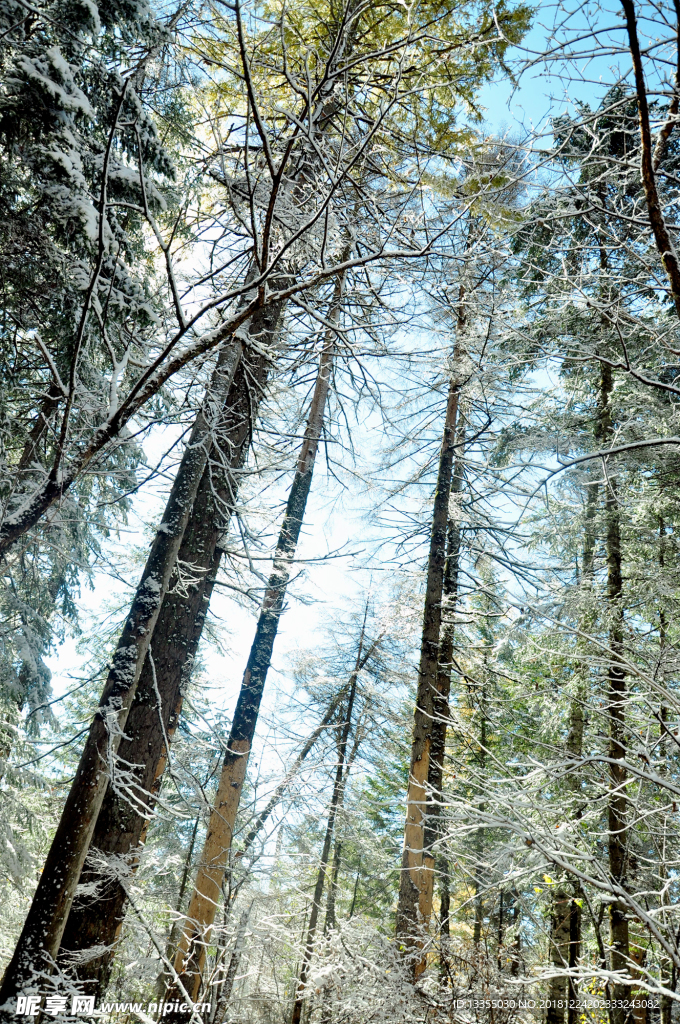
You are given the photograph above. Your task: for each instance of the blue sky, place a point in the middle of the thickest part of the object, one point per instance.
(334, 520)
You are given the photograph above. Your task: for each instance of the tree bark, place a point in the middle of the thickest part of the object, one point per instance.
(121, 825)
(560, 942)
(228, 983)
(435, 777)
(436, 772)
(516, 954)
(616, 698)
(42, 932)
(662, 238)
(615, 708)
(416, 881)
(479, 835)
(565, 933)
(444, 922)
(333, 888)
(208, 884)
(336, 803)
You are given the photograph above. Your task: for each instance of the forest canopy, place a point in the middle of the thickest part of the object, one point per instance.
(339, 441)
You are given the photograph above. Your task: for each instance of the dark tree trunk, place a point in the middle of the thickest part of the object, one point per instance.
(41, 936)
(565, 935)
(616, 699)
(121, 824)
(333, 888)
(435, 776)
(559, 955)
(649, 158)
(188, 862)
(416, 876)
(444, 921)
(208, 885)
(516, 953)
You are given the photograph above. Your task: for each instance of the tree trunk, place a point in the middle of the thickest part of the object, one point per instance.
(662, 236)
(227, 986)
(560, 940)
(663, 631)
(516, 955)
(333, 889)
(479, 835)
(565, 935)
(616, 696)
(444, 922)
(667, 967)
(336, 804)
(294, 769)
(40, 938)
(208, 884)
(123, 820)
(188, 861)
(435, 776)
(353, 905)
(416, 875)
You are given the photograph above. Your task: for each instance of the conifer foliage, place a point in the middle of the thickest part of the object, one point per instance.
(358, 418)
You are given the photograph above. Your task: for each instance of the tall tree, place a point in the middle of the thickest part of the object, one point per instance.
(417, 868)
(154, 713)
(208, 883)
(41, 936)
(289, 198)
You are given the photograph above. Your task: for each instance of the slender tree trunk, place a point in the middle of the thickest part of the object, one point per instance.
(565, 934)
(227, 986)
(649, 158)
(559, 955)
(616, 697)
(667, 968)
(182, 889)
(663, 630)
(262, 817)
(435, 776)
(444, 921)
(122, 822)
(208, 885)
(292, 772)
(353, 904)
(516, 955)
(42, 932)
(329, 923)
(416, 875)
(479, 836)
(336, 804)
